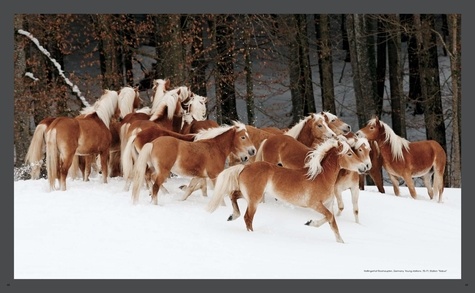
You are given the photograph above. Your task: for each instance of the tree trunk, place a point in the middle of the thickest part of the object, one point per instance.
(454, 30)
(170, 52)
(382, 36)
(21, 106)
(108, 52)
(301, 74)
(398, 104)
(430, 80)
(363, 78)
(251, 115)
(225, 68)
(325, 62)
(198, 63)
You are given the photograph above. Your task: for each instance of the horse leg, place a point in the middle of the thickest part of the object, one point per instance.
(250, 212)
(410, 185)
(395, 183)
(339, 200)
(195, 181)
(329, 217)
(66, 162)
(159, 179)
(104, 164)
(427, 182)
(236, 212)
(355, 193)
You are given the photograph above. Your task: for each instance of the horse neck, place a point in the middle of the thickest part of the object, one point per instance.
(305, 136)
(331, 166)
(224, 142)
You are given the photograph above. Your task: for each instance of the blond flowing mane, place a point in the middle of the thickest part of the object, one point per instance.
(396, 142)
(297, 128)
(315, 157)
(214, 132)
(127, 95)
(104, 107)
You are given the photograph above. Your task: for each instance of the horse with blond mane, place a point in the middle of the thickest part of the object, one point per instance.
(205, 157)
(310, 187)
(86, 135)
(407, 159)
(128, 101)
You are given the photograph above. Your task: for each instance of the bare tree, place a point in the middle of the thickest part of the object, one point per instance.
(398, 103)
(363, 74)
(325, 61)
(455, 36)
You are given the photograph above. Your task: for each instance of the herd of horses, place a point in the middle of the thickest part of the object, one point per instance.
(308, 165)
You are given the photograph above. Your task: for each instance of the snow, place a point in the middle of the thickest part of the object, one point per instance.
(93, 231)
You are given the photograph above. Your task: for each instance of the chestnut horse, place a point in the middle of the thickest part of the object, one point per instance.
(128, 100)
(144, 131)
(405, 159)
(204, 158)
(336, 124)
(310, 187)
(309, 130)
(87, 135)
(351, 180)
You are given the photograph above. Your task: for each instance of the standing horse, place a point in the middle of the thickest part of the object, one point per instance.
(87, 135)
(127, 102)
(204, 158)
(310, 187)
(404, 159)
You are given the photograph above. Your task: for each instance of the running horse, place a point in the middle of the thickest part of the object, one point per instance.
(205, 157)
(309, 187)
(405, 159)
(86, 135)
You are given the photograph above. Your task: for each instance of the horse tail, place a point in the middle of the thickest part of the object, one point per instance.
(140, 169)
(52, 157)
(226, 182)
(259, 155)
(127, 156)
(439, 170)
(34, 155)
(185, 137)
(122, 135)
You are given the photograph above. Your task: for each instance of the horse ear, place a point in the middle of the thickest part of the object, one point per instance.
(178, 91)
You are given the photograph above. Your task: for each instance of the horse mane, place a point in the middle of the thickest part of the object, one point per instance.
(329, 115)
(156, 83)
(197, 104)
(104, 107)
(127, 96)
(315, 157)
(297, 128)
(395, 141)
(215, 131)
(169, 101)
(361, 141)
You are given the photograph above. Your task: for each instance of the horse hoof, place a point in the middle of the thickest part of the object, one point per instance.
(308, 223)
(230, 218)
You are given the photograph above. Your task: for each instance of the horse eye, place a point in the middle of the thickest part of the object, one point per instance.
(320, 125)
(350, 154)
(243, 137)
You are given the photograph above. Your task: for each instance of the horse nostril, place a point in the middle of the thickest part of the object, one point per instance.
(252, 152)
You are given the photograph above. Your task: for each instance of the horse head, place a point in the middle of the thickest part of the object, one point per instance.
(196, 107)
(242, 143)
(320, 128)
(336, 124)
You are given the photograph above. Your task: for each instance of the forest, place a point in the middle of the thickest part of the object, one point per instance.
(238, 59)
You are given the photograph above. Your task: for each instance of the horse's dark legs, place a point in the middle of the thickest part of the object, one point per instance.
(250, 212)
